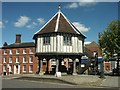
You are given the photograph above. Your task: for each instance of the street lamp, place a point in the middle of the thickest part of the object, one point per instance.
(102, 65)
(95, 54)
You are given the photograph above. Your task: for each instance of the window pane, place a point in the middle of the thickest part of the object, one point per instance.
(31, 59)
(31, 51)
(31, 68)
(67, 40)
(4, 60)
(17, 59)
(24, 67)
(24, 51)
(10, 60)
(10, 51)
(5, 51)
(24, 59)
(46, 40)
(17, 51)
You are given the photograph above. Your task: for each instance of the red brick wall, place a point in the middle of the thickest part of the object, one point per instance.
(20, 56)
(0, 61)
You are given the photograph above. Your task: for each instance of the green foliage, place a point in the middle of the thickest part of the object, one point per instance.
(110, 39)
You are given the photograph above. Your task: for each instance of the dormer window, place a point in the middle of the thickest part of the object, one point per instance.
(46, 40)
(67, 40)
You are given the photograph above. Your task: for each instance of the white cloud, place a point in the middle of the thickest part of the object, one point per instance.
(22, 21)
(81, 27)
(87, 4)
(1, 24)
(87, 42)
(81, 3)
(32, 25)
(73, 5)
(41, 20)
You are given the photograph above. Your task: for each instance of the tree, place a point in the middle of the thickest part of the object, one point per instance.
(109, 40)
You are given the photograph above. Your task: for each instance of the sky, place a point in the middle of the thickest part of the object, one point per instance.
(26, 18)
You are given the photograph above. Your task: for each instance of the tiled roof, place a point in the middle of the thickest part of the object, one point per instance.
(59, 23)
(90, 48)
(20, 45)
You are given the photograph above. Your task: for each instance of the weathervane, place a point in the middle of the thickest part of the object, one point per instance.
(59, 8)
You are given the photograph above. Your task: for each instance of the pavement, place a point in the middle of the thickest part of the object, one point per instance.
(85, 80)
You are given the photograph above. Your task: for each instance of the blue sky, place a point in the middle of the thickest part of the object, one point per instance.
(27, 18)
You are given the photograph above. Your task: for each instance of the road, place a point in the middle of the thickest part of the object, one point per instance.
(13, 83)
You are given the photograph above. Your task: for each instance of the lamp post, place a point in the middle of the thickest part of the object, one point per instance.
(95, 54)
(102, 65)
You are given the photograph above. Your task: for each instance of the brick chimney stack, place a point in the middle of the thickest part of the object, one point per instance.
(18, 38)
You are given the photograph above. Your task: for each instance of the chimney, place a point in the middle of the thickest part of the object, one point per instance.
(5, 44)
(18, 38)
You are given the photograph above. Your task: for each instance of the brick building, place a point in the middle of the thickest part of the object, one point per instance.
(93, 47)
(19, 58)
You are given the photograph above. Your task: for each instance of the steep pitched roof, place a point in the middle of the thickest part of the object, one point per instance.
(59, 23)
(20, 45)
(93, 46)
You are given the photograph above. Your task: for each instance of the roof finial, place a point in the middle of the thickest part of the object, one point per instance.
(59, 8)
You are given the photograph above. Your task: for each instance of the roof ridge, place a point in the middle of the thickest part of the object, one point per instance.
(69, 23)
(57, 22)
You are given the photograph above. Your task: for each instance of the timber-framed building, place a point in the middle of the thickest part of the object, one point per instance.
(59, 45)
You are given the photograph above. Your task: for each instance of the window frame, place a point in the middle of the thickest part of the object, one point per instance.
(4, 60)
(31, 69)
(46, 40)
(5, 52)
(24, 51)
(10, 60)
(17, 51)
(24, 68)
(17, 60)
(4, 68)
(24, 59)
(31, 50)
(67, 40)
(10, 51)
(30, 59)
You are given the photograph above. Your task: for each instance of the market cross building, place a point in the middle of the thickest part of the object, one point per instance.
(59, 45)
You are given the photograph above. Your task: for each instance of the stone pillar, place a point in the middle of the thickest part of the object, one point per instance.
(57, 65)
(49, 65)
(47, 72)
(41, 65)
(74, 67)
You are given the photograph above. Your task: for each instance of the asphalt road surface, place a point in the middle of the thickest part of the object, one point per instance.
(13, 83)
